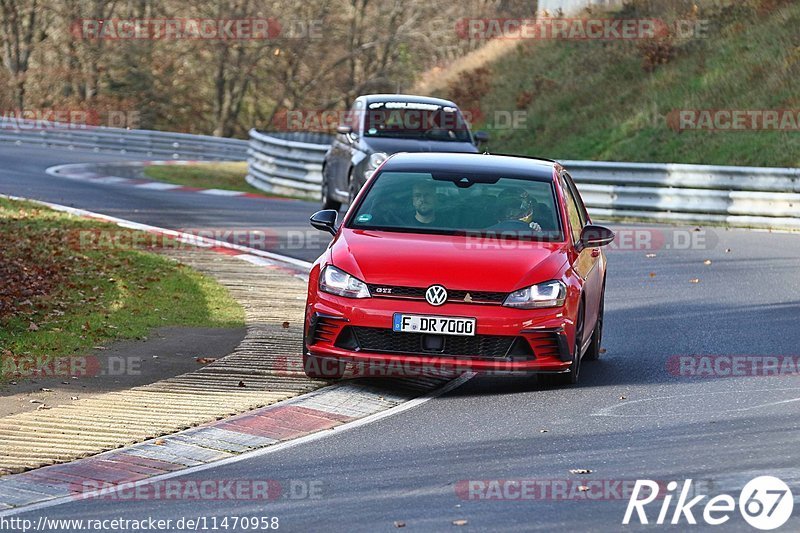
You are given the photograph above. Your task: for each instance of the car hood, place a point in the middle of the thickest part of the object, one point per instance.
(392, 146)
(457, 262)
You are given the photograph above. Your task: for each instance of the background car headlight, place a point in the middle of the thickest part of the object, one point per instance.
(547, 294)
(377, 159)
(339, 282)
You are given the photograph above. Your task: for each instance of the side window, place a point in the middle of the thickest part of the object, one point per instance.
(578, 200)
(355, 116)
(573, 212)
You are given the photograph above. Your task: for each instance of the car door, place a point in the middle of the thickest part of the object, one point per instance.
(587, 262)
(346, 147)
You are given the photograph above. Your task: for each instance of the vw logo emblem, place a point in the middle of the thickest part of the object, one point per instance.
(436, 295)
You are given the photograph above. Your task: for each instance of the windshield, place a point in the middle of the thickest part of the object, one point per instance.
(415, 121)
(452, 204)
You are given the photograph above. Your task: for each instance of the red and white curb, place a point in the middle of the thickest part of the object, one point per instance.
(93, 173)
(263, 431)
(291, 422)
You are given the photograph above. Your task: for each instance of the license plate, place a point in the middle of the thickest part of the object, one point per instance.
(440, 325)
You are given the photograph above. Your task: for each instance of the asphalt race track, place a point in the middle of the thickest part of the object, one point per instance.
(632, 417)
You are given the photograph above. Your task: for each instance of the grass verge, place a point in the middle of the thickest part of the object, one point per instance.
(228, 176)
(616, 100)
(63, 292)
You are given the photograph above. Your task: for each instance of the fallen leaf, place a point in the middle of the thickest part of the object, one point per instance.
(543, 430)
(43, 389)
(460, 522)
(241, 384)
(727, 250)
(583, 488)
(285, 325)
(205, 360)
(35, 401)
(652, 274)
(603, 350)
(33, 327)
(43, 406)
(398, 523)
(694, 280)
(707, 262)
(650, 256)
(159, 442)
(623, 397)
(580, 471)
(86, 326)
(73, 397)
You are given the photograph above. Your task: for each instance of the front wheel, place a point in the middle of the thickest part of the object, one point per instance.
(593, 353)
(327, 201)
(570, 377)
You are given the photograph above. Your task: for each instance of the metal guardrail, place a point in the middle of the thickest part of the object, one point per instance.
(287, 163)
(290, 163)
(123, 141)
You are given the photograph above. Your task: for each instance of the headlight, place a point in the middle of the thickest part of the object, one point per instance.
(548, 294)
(377, 159)
(339, 282)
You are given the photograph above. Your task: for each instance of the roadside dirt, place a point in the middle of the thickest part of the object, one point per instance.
(166, 353)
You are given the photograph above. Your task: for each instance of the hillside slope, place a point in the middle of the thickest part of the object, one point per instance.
(611, 100)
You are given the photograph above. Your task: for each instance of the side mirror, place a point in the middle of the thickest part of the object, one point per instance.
(344, 129)
(593, 236)
(325, 220)
(481, 137)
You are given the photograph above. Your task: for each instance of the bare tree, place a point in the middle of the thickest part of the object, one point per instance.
(21, 28)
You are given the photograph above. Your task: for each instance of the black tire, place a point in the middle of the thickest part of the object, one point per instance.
(327, 201)
(319, 368)
(593, 352)
(571, 376)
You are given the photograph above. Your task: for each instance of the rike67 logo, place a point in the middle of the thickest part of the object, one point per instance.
(765, 503)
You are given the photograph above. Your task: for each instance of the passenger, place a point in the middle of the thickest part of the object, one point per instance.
(515, 212)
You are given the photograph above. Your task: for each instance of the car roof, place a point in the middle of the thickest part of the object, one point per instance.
(518, 166)
(412, 98)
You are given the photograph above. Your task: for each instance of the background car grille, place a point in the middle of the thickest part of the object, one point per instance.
(453, 296)
(387, 341)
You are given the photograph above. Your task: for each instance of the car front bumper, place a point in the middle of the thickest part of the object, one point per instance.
(507, 340)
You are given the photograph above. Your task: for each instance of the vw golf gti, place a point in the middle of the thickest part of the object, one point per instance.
(447, 261)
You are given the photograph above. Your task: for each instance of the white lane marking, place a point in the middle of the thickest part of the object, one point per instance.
(411, 404)
(608, 411)
(110, 179)
(171, 233)
(221, 192)
(158, 186)
(254, 259)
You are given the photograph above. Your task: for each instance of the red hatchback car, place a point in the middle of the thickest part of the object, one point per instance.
(475, 262)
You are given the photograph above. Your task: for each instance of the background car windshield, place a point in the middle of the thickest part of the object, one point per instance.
(417, 121)
(417, 202)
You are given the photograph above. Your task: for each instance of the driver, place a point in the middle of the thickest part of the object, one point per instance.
(423, 198)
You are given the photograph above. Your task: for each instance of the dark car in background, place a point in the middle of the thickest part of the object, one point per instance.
(379, 125)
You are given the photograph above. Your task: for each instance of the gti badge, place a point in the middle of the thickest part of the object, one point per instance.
(436, 295)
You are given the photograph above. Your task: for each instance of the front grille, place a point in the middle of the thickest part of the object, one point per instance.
(453, 296)
(382, 340)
